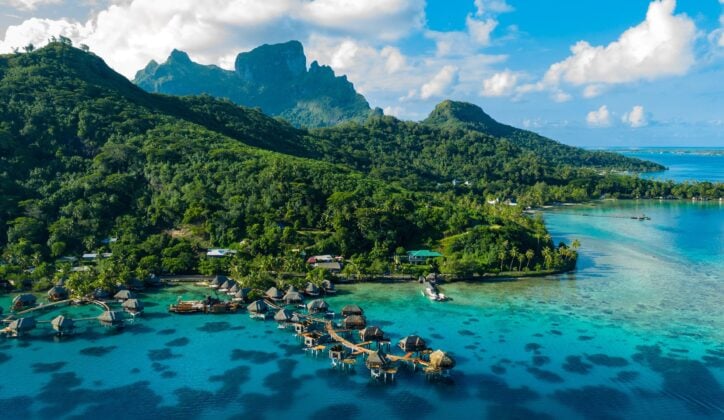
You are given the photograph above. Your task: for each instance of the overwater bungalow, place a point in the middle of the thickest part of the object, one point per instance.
(317, 306)
(377, 360)
(292, 296)
(352, 309)
(338, 352)
(242, 295)
(371, 334)
(111, 319)
(227, 285)
(133, 306)
(283, 316)
(274, 294)
(311, 289)
(233, 289)
(124, 294)
(57, 293)
(258, 309)
(315, 338)
(20, 326)
(412, 343)
(62, 325)
(217, 281)
(24, 301)
(328, 287)
(441, 360)
(354, 322)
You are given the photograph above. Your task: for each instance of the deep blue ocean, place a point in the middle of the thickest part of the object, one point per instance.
(637, 332)
(684, 164)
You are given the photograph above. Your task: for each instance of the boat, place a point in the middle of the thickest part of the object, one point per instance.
(209, 305)
(431, 292)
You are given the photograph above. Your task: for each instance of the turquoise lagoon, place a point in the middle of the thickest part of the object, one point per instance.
(684, 164)
(636, 332)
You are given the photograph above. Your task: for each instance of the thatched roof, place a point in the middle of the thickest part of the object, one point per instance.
(327, 285)
(292, 297)
(218, 280)
(258, 306)
(235, 288)
(274, 293)
(133, 304)
(242, 293)
(124, 294)
(371, 334)
(23, 324)
(283, 315)
(311, 288)
(61, 323)
(25, 299)
(412, 343)
(291, 288)
(354, 322)
(58, 292)
(440, 360)
(377, 359)
(352, 309)
(111, 317)
(317, 305)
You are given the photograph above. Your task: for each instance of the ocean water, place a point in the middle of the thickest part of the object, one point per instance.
(684, 164)
(636, 332)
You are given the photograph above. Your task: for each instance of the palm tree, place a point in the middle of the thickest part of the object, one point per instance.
(501, 255)
(547, 257)
(513, 254)
(529, 254)
(521, 258)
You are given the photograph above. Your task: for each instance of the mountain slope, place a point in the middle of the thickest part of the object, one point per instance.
(272, 77)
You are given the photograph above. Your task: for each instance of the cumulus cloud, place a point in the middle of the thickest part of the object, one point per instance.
(29, 4)
(491, 6)
(130, 33)
(591, 91)
(636, 117)
(500, 84)
(440, 84)
(662, 45)
(599, 118)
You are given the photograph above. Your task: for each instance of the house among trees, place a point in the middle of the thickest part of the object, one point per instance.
(219, 252)
(326, 262)
(422, 256)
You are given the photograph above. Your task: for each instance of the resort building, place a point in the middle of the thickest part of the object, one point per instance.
(422, 256)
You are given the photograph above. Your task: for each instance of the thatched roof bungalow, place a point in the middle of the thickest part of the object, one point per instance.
(274, 294)
(352, 309)
(377, 360)
(328, 287)
(441, 360)
(412, 343)
(242, 295)
(311, 289)
(233, 289)
(292, 297)
(258, 307)
(124, 294)
(111, 318)
(354, 322)
(24, 301)
(62, 324)
(57, 293)
(217, 281)
(371, 334)
(283, 315)
(133, 306)
(22, 325)
(317, 306)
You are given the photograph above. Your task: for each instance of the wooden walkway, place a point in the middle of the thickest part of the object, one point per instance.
(13, 316)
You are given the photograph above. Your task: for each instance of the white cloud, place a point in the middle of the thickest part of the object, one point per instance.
(591, 91)
(480, 30)
(129, 33)
(29, 4)
(599, 118)
(440, 84)
(492, 6)
(662, 45)
(500, 84)
(636, 118)
(561, 96)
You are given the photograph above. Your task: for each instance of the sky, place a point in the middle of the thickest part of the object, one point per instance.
(585, 72)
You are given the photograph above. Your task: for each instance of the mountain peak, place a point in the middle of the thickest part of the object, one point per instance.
(464, 114)
(178, 56)
(271, 63)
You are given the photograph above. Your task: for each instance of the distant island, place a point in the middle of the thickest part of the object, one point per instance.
(274, 78)
(142, 183)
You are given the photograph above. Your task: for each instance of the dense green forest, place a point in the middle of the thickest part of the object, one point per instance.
(85, 155)
(274, 78)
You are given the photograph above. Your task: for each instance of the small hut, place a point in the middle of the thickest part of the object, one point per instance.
(292, 288)
(337, 352)
(133, 306)
(292, 296)
(21, 325)
(227, 285)
(412, 343)
(371, 334)
(311, 289)
(111, 319)
(352, 310)
(233, 289)
(439, 360)
(153, 281)
(124, 294)
(317, 306)
(283, 315)
(57, 293)
(24, 301)
(274, 294)
(217, 281)
(62, 325)
(328, 287)
(315, 338)
(242, 295)
(354, 322)
(258, 308)
(377, 360)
